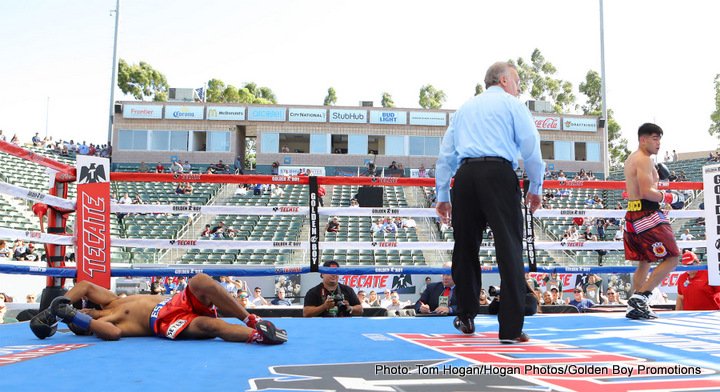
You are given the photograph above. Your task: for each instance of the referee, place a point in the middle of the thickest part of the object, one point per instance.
(480, 149)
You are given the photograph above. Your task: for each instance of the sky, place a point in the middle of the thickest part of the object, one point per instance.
(55, 55)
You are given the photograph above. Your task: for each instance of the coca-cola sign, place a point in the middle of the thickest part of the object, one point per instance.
(547, 123)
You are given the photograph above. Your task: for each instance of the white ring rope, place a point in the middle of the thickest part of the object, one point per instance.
(29, 194)
(228, 210)
(36, 236)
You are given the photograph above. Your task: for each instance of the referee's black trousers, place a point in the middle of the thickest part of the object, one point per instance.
(488, 193)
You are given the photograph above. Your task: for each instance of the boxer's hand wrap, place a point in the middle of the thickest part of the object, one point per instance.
(62, 308)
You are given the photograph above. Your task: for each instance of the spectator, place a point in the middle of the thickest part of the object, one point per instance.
(176, 167)
(592, 286)
(409, 223)
(321, 194)
(675, 157)
(218, 230)
(386, 300)
(579, 301)
(553, 280)
(354, 203)
(613, 298)
(3, 138)
(547, 298)
(618, 234)
(588, 235)
(556, 296)
(187, 167)
(667, 157)
(241, 190)
(377, 227)
(258, 299)
(220, 167)
(143, 167)
(686, 236)
(244, 301)
(395, 305)
(238, 165)
(30, 254)
(694, 291)
(5, 252)
(331, 298)
(274, 168)
(422, 173)
(30, 298)
(276, 191)
(438, 298)
(159, 168)
(36, 141)
(281, 300)
(362, 299)
(483, 298)
(373, 299)
(393, 166)
(206, 231)
(20, 250)
(285, 149)
(333, 226)
(673, 177)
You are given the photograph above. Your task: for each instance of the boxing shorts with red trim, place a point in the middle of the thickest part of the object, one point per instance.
(647, 233)
(171, 316)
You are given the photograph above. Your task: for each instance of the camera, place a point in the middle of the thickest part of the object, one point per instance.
(493, 291)
(343, 309)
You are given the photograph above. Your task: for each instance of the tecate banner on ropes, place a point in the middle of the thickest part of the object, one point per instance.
(92, 222)
(711, 183)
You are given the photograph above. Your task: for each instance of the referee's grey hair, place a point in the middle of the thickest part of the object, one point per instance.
(492, 77)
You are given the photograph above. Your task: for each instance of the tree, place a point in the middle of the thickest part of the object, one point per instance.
(215, 90)
(331, 97)
(715, 116)
(431, 98)
(250, 93)
(479, 89)
(617, 145)
(142, 81)
(387, 101)
(536, 78)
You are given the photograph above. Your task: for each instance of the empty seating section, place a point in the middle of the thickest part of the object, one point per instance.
(353, 228)
(158, 225)
(284, 228)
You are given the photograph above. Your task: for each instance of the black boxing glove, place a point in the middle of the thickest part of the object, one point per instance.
(62, 308)
(663, 171)
(44, 324)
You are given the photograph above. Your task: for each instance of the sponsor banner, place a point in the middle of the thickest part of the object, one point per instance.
(142, 111)
(232, 113)
(266, 113)
(388, 117)
(428, 118)
(364, 282)
(92, 222)
(547, 123)
(177, 112)
(711, 184)
(579, 124)
(14, 354)
(348, 116)
(295, 170)
(307, 115)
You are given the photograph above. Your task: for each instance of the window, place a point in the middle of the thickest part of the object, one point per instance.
(339, 144)
(395, 145)
(593, 152)
(269, 143)
(319, 143)
(424, 145)
(547, 149)
(564, 150)
(159, 140)
(179, 140)
(358, 144)
(218, 141)
(580, 151)
(133, 140)
(294, 143)
(376, 144)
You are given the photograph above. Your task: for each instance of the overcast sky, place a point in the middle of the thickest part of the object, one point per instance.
(661, 56)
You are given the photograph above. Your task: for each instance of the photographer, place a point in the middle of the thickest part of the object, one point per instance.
(531, 301)
(330, 298)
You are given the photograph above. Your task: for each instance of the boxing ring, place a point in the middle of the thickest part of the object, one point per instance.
(567, 352)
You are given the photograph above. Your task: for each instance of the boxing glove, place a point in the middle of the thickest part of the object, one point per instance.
(251, 320)
(44, 324)
(663, 172)
(63, 309)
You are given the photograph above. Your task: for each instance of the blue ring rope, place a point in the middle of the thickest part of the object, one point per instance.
(191, 270)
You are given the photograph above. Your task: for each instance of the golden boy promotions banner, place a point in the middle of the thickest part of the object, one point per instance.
(92, 221)
(711, 184)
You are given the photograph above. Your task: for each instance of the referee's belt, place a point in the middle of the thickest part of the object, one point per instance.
(642, 205)
(485, 159)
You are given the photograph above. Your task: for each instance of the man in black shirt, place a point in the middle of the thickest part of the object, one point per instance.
(324, 299)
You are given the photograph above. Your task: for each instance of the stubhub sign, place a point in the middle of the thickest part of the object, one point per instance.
(348, 116)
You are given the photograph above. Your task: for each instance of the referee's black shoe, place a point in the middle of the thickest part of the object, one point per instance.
(464, 324)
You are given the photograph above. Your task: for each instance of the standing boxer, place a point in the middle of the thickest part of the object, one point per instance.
(648, 235)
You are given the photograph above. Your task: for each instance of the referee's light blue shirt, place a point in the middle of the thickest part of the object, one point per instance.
(492, 124)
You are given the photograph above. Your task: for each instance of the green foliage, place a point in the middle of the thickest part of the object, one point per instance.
(142, 81)
(536, 78)
(250, 93)
(431, 98)
(387, 101)
(617, 145)
(479, 89)
(715, 116)
(331, 97)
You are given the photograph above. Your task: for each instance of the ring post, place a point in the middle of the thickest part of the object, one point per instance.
(92, 223)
